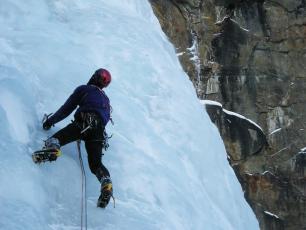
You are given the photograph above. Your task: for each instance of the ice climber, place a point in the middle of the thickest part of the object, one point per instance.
(90, 119)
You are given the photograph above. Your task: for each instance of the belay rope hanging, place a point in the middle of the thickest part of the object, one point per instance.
(84, 196)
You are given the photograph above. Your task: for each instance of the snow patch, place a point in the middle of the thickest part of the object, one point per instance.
(242, 117)
(271, 214)
(275, 131)
(209, 102)
(303, 149)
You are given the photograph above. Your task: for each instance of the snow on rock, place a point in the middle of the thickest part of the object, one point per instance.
(209, 102)
(303, 149)
(271, 214)
(275, 131)
(167, 161)
(242, 117)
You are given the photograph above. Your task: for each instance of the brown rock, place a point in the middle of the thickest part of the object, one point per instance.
(250, 56)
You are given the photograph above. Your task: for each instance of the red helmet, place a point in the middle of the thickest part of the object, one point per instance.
(105, 77)
(101, 78)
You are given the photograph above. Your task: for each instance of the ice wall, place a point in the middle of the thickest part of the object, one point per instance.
(167, 161)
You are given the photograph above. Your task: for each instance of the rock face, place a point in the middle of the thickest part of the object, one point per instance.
(244, 138)
(250, 55)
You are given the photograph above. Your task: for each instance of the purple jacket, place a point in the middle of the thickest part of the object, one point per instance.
(89, 98)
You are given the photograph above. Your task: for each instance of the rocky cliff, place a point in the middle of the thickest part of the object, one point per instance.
(250, 55)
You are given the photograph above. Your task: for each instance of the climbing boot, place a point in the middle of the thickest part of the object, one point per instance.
(50, 152)
(106, 192)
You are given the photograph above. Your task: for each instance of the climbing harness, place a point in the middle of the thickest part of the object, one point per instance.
(88, 121)
(84, 196)
(91, 121)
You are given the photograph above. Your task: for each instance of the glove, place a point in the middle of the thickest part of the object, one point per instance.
(47, 125)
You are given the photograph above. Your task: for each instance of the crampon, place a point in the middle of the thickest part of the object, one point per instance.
(45, 155)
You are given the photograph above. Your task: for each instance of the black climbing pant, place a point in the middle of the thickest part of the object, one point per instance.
(93, 139)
